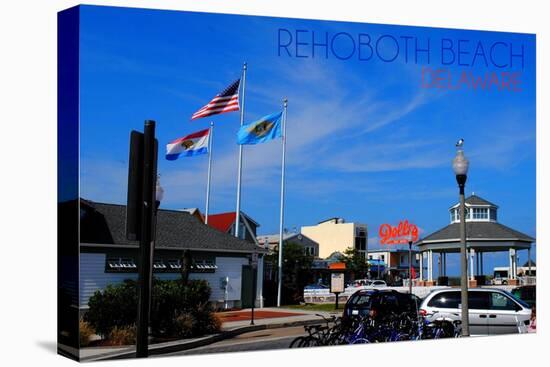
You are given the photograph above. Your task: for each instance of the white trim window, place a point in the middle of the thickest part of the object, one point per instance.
(480, 213)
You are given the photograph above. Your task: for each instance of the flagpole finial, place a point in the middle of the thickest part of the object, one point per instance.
(211, 123)
(244, 65)
(285, 101)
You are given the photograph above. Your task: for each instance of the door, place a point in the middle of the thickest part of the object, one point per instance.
(246, 286)
(478, 303)
(503, 314)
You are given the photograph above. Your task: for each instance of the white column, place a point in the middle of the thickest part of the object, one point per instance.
(529, 260)
(472, 255)
(421, 263)
(430, 266)
(511, 263)
(515, 264)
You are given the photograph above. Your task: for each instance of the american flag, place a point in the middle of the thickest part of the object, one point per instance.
(226, 101)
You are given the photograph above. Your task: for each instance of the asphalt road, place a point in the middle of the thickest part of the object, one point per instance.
(257, 340)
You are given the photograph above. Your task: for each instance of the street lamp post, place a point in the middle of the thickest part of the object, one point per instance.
(460, 168)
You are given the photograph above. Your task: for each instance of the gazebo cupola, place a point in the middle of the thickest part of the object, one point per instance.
(477, 210)
(483, 234)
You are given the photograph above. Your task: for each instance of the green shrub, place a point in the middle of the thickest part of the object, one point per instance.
(177, 309)
(85, 331)
(214, 324)
(184, 325)
(115, 306)
(123, 335)
(172, 298)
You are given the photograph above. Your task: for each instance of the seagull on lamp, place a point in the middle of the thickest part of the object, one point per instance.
(460, 143)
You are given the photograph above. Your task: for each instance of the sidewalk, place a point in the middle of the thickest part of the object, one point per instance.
(273, 317)
(264, 318)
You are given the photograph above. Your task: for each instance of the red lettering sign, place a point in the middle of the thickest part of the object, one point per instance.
(403, 233)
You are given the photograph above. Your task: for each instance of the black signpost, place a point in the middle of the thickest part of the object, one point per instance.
(140, 221)
(254, 265)
(336, 285)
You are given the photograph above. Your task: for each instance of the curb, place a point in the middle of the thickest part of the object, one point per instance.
(178, 347)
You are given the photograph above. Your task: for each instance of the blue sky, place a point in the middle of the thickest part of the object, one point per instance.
(365, 141)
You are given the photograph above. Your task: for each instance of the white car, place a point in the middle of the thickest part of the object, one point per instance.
(378, 283)
(490, 311)
(360, 283)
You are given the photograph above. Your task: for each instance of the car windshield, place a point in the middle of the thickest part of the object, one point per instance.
(360, 299)
(517, 299)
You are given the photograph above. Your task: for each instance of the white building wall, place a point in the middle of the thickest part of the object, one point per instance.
(93, 277)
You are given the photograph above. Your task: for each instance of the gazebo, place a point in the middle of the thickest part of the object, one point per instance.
(483, 234)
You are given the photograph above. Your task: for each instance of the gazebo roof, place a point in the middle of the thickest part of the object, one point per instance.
(475, 200)
(476, 231)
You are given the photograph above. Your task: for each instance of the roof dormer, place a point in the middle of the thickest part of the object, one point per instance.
(477, 210)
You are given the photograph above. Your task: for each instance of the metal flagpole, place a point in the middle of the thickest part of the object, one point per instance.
(240, 173)
(210, 137)
(281, 214)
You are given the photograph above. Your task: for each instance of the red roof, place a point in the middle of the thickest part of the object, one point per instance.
(222, 221)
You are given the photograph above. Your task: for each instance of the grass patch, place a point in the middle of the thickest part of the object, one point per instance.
(326, 307)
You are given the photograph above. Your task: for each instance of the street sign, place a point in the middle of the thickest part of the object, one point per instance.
(134, 203)
(337, 283)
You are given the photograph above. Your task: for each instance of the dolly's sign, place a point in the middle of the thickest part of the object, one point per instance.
(403, 233)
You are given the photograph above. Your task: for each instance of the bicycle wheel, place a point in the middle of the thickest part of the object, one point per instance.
(297, 343)
(309, 341)
(360, 341)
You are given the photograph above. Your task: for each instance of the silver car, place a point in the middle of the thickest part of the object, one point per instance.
(491, 311)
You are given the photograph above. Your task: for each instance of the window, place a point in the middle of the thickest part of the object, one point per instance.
(360, 243)
(478, 300)
(499, 301)
(445, 300)
(121, 264)
(389, 301)
(242, 231)
(174, 264)
(480, 213)
(360, 300)
(159, 265)
(204, 266)
(493, 214)
(455, 214)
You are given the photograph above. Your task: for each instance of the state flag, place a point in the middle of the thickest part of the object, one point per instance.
(265, 129)
(188, 146)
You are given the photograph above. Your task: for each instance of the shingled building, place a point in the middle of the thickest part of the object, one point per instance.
(108, 257)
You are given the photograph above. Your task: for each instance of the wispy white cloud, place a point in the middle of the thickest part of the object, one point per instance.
(103, 180)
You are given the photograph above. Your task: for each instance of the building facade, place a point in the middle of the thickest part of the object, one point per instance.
(107, 257)
(225, 222)
(394, 261)
(271, 241)
(335, 235)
